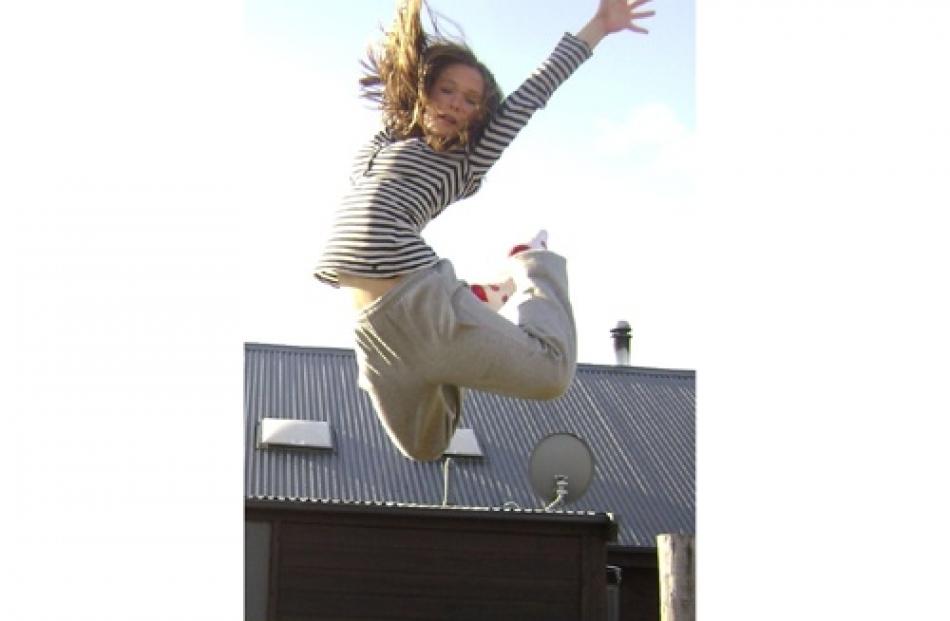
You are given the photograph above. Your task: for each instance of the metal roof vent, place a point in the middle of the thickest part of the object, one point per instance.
(285, 433)
(621, 336)
(464, 444)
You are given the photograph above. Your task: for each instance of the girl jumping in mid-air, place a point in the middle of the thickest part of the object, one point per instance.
(421, 333)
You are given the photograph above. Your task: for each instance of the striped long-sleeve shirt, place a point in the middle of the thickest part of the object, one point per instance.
(399, 186)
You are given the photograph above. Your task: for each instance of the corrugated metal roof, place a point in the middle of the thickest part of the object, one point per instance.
(639, 423)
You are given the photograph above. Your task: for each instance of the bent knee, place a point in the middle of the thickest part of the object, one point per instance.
(555, 383)
(420, 448)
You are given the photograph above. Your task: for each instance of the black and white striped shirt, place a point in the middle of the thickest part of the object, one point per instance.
(399, 186)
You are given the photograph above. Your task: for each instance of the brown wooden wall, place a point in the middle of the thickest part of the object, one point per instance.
(435, 565)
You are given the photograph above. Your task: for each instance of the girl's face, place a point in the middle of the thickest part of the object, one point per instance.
(454, 100)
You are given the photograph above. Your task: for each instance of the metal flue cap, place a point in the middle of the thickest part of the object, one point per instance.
(621, 336)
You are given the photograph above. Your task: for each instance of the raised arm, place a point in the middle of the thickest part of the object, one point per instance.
(613, 16)
(515, 111)
(518, 107)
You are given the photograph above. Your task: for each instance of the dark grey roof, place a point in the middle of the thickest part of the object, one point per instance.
(639, 423)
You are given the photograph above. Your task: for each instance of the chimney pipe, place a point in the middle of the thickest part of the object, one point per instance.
(621, 335)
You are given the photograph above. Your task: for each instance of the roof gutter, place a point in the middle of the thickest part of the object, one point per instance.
(589, 518)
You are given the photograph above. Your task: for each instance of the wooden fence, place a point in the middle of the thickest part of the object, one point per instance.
(677, 569)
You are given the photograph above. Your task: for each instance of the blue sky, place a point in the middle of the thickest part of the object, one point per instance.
(607, 167)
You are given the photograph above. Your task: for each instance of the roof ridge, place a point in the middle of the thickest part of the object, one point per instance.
(655, 372)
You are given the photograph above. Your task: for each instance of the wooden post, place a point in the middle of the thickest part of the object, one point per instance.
(677, 568)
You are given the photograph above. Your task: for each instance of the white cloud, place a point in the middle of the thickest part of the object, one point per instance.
(653, 150)
(649, 125)
(651, 133)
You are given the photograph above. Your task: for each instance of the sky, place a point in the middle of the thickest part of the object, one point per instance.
(165, 169)
(608, 168)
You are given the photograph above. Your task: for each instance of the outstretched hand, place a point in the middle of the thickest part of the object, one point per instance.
(613, 16)
(617, 15)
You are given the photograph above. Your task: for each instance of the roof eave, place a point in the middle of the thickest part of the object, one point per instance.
(589, 518)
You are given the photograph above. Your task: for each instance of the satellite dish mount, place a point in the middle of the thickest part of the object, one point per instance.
(561, 469)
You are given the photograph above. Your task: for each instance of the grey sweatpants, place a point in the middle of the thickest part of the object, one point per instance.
(428, 337)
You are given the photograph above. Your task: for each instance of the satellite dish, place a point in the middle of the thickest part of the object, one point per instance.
(558, 459)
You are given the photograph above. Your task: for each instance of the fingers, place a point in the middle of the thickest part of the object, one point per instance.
(635, 16)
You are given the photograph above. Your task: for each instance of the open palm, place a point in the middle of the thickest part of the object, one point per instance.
(617, 15)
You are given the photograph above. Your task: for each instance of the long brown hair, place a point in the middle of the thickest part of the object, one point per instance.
(400, 74)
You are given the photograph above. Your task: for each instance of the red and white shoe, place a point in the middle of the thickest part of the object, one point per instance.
(494, 295)
(539, 242)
